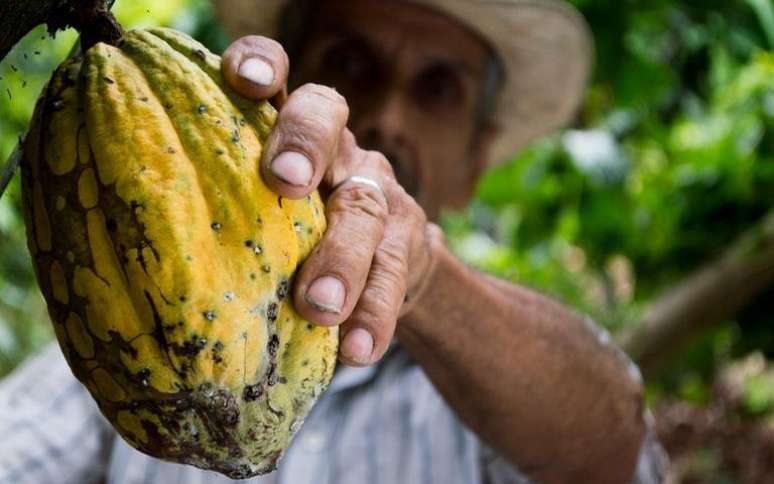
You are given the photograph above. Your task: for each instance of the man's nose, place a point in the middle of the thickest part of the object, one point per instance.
(384, 123)
(385, 127)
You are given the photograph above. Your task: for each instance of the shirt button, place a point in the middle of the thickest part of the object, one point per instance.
(313, 441)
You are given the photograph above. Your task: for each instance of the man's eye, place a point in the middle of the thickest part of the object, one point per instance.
(347, 61)
(439, 87)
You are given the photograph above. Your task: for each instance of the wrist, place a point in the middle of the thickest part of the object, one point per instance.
(435, 246)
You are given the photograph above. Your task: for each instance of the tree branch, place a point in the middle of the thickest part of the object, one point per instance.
(712, 294)
(18, 17)
(91, 17)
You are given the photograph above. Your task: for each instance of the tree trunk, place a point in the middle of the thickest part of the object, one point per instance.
(714, 293)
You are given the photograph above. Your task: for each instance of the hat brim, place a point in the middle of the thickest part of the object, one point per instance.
(545, 47)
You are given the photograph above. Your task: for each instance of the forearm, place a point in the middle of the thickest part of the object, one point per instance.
(527, 375)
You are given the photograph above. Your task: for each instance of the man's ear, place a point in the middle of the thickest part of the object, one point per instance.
(481, 150)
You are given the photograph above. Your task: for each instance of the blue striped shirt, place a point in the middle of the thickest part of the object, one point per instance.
(381, 425)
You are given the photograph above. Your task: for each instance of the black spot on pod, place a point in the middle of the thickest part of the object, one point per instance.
(200, 54)
(218, 405)
(271, 312)
(273, 345)
(282, 289)
(217, 349)
(209, 315)
(109, 80)
(144, 377)
(266, 269)
(243, 471)
(249, 243)
(252, 393)
(202, 109)
(136, 206)
(216, 226)
(190, 348)
(271, 378)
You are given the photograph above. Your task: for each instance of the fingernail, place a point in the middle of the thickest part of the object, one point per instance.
(257, 70)
(293, 168)
(358, 345)
(326, 294)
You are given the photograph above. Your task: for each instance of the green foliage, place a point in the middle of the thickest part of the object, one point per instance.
(671, 159)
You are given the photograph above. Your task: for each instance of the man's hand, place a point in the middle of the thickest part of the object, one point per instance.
(376, 250)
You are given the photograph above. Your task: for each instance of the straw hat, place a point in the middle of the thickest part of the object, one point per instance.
(544, 45)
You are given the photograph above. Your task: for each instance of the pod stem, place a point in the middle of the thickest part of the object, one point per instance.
(93, 19)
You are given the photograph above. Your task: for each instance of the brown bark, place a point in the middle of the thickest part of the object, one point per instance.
(18, 17)
(91, 17)
(708, 297)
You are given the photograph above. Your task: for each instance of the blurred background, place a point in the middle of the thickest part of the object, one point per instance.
(654, 213)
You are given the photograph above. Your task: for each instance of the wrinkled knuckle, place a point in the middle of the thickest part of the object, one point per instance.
(416, 212)
(393, 258)
(327, 96)
(362, 200)
(304, 132)
(355, 249)
(400, 201)
(375, 312)
(377, 160)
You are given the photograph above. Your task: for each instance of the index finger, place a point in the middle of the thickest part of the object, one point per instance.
(255, 67)
(306, 140)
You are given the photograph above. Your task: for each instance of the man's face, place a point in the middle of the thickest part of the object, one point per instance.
(412, 78)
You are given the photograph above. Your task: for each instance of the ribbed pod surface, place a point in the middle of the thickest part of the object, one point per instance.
(165, 261)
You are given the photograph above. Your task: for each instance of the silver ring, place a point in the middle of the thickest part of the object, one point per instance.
(366, 181)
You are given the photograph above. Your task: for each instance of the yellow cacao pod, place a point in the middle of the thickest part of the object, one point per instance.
(166, 262)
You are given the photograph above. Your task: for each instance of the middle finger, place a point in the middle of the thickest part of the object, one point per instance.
(334, 275)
